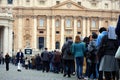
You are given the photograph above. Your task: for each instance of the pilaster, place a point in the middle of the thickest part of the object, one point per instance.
(35, 33)
(62, 31)
(48, 33)
(6, 40)
(84, 27)
(88, 26)
(53, 32)
(100, 23)
(10, 40)
(19, 35)
(75, 27)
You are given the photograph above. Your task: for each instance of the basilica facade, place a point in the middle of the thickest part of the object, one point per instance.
(48, 23)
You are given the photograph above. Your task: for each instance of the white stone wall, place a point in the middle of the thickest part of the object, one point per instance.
(48, 3)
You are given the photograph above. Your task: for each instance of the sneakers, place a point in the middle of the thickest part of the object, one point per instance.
(64, 75)
(19, 70)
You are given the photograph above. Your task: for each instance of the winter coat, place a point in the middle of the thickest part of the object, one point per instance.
(65, 55)
(78, 49)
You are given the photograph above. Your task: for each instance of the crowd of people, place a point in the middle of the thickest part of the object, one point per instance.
(98, 51)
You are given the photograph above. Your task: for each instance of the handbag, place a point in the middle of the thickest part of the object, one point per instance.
(117, 54)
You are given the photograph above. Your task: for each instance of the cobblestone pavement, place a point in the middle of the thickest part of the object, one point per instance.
(13, 74)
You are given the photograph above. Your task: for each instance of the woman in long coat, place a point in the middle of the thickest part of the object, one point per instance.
(117, 31)
(108, 62)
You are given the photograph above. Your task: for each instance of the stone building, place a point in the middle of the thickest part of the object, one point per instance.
(48, 23)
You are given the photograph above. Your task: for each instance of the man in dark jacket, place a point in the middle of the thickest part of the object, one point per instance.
(20, 57)
(7, 60)
(45, 60)
(68, 58)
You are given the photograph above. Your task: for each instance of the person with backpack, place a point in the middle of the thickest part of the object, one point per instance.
(67, 57)
(92, 56)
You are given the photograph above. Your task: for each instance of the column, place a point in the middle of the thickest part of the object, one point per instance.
(88, 27)
(5, 44)
(100, 20)
(53, 33)
(20, 2)
(19, 35)
(35, 33)
(0, 40)
(10, 40)
(84, 28)
(75, 27)
(2, 34)
(48, 33)
(62, 31)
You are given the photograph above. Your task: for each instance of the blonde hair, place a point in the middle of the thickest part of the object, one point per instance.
(77, 39)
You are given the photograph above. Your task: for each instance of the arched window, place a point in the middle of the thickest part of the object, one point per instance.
(57, 45)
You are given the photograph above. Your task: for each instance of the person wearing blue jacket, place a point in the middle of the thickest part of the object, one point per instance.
(103, 32)
(78, 49)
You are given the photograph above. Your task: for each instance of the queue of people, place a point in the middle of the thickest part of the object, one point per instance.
(98, 49)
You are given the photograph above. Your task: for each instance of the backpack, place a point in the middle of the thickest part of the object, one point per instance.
(68, 48)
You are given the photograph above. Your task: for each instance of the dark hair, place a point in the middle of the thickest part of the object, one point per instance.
(45, 48)
(86, 40)
(102, 29)
(69, 37)
(94, 35)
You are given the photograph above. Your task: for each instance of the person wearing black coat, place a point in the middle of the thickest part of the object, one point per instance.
(19, 57)
(117, 31)
(7, 61)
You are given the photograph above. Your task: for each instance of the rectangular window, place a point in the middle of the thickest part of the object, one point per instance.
(93, 23)
(57, 23)
(78, 32)
(41, 42)
(42, 2)
(79, 3)
(94, 4)
(78, 24)
(10, 1)
(57, 2)
(41, 32)
(68, 23)
(106, 5)
(27, 0)
(41, 23)
(57, 32)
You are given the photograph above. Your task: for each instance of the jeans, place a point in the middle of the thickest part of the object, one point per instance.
(79, 65)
